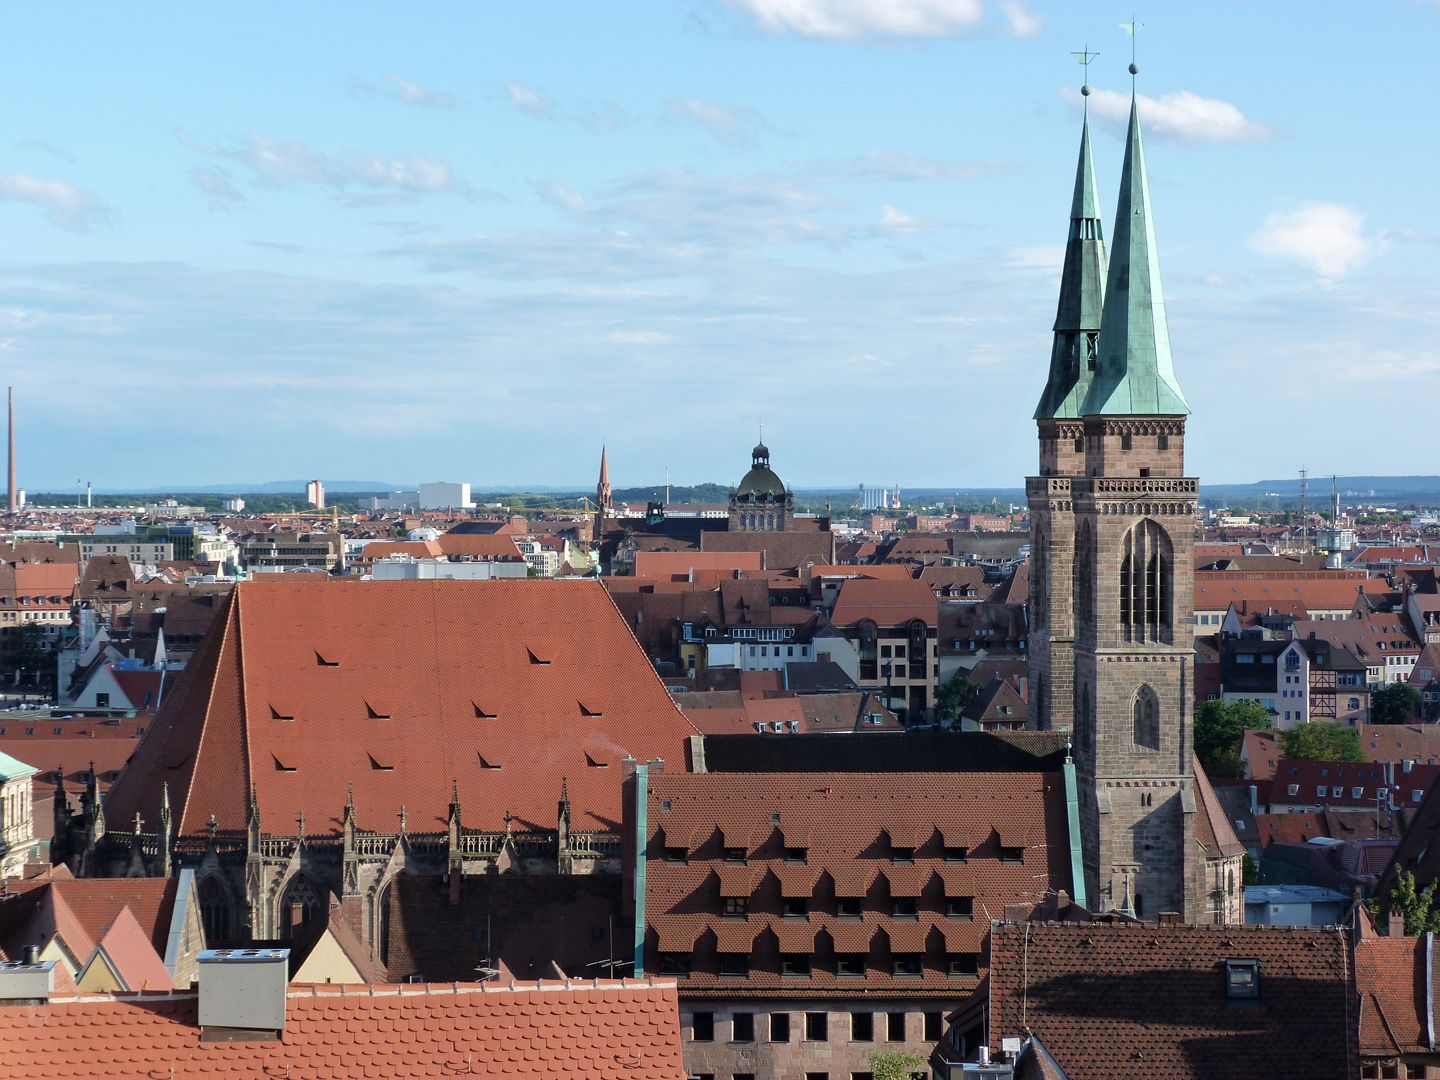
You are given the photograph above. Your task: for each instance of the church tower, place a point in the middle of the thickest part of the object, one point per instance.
(1113, 582)
(1073, 357)
(603, 498)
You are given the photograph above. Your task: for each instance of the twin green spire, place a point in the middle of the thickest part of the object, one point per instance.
(1131, 372)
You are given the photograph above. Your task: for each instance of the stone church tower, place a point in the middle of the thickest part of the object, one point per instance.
(603, 500)
(1112, 583)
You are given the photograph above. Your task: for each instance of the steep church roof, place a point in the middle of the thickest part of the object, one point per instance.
(305, 687)
(1082, 297)
(1134, 372)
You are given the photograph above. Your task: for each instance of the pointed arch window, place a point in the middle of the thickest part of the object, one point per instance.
(1083, 578)
(1147, 584)
(215, 913)
(1039, 580)
(1146, 711)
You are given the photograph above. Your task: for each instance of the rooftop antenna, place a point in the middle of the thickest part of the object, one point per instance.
(1133, 29)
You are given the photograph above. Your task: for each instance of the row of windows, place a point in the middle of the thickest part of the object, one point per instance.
(814, 1027)
(847, 965)
(800, 856)
(1338, 792)
(849, 907)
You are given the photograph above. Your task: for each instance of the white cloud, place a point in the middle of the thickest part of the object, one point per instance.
(727, 123)
(1023, 22)
(220, 193)
(847, 20)
(1044, 258)
(67, 205)
(888, 167)
(639, 337)
(411, 93)
(1180, 116)
(280, 164)
(528, 101)
(1328, 237)
(897, 221)
(560, 194)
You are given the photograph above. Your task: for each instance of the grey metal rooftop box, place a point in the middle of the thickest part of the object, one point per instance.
(244, 988)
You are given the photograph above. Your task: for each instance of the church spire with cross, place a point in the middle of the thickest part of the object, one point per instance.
(1082, 288)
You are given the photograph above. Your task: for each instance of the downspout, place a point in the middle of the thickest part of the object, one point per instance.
(1430, 990)
(1072, 821)
(642, 803)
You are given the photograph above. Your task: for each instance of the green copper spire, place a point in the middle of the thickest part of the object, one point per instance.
(1135, 375)
(1082, 298)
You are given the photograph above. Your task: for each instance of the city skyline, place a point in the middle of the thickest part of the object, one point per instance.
(393, 253)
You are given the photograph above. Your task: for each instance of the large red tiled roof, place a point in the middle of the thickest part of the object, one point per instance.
(83, 909)
(888, 603)
(540, 1030)
(848, 825)
(304, 687)
(1122, 1000)
(1390, 979)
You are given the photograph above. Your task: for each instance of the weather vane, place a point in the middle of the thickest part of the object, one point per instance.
(1133, 29)
(1085, 56)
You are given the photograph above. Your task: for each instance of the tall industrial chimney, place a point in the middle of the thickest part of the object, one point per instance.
(14, 503)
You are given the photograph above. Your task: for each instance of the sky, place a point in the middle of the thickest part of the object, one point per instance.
(476, 241)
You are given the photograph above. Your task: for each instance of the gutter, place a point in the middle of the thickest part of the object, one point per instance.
(1072, 820)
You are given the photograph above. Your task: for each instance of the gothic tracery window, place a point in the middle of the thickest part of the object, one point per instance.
(1146, 710)
(1083, 577)
(1147, 573)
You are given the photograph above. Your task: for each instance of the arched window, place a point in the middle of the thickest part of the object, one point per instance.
(1146, 710)
(1083, 578)
(215, 912)
(1147, 573)
(299, 906)
(1039, 580)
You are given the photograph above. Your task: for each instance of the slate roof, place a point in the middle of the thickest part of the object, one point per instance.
(1144, 1000)
(309, 684)
(541, 1030)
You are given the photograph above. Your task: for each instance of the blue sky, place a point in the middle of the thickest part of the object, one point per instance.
(475, 241)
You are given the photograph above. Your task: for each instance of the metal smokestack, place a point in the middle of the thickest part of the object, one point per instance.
(14, 503)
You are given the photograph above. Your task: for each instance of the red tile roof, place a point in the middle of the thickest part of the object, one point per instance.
(131, 957)
(306, 686)
(540, 1030)
(1390, 979)
(93, 904)
(888, 603)
(1123, 1000)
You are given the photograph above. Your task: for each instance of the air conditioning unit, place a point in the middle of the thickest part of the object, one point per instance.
(242, 992)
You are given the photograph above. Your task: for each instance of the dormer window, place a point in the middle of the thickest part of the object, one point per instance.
(735, 854)
(1242, 980)
(795, 854)
(677, 854)
(957, 854)
(902, 854)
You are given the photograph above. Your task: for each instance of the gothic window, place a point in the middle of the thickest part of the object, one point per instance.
(1083, 578)
(1125, 441)
(1146, 710)
(299, 905)
(1147, 572)
(1040, 577)
(215, 912)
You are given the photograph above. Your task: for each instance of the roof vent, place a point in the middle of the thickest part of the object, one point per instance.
(376, 714)
(482, 713)
(325, 661)
(535, 659)
(27, 982)
(585, 710)
(242, 994)
(486, 763)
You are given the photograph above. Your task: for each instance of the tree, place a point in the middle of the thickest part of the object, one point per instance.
(952, 698)
(1220, 728)
(896, 1065)
(1417, 905)
(1321, 741)
(1394, 704)
(1249, 871)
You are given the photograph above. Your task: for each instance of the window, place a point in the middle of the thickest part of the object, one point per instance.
(847, 907)
(795, 855)
(102, 701)
(895, 1027)
(744, 1027)
(902, 854)
(734, 965)
(795, 965)
(1320, 791)
(907, 965)
(817, 1026)
(780, 1027)
(1357, 792)
(737, 906)
(795, 907)
(1242, 979)
(817, 1076)
(677, 855)
(1146, 712)
(933, 1023)
(904, 907)
(704, 1025)
(735, 854)
(1125, 441)
(1146, 580)
(862, 1027)
(1294, 789)
(1012, 854)
(957, 854)
(963, 964)
(674, 963)
(960, 907)
(850, 964)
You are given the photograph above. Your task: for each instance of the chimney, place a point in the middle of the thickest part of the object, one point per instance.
(242, 994)
(27, 982)
(1396, 927)
(1170, 918)
(1254, 799)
